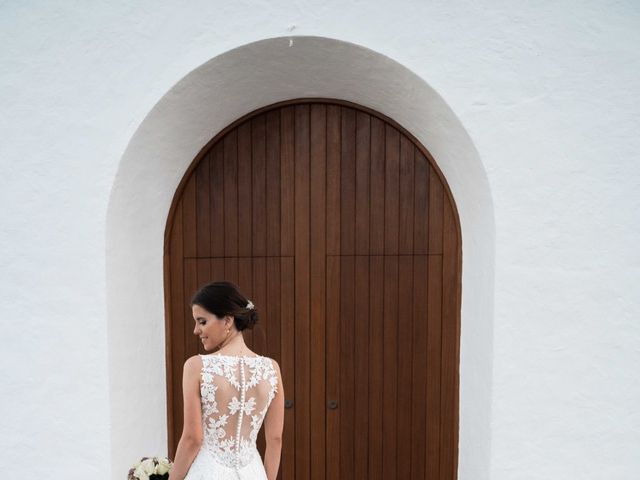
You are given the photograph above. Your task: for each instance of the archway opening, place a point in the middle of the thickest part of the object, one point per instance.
(197, 108)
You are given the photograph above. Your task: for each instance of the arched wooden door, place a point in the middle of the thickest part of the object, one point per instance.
(339, 227)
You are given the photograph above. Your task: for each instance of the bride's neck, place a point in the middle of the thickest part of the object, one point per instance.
(234, 343)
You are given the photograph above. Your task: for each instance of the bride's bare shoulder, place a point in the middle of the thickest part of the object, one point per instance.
(194, 362)
(275, 364)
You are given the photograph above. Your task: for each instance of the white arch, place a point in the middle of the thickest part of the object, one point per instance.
(183, 121)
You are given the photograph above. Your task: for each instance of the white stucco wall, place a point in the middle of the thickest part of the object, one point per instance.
(543, 98)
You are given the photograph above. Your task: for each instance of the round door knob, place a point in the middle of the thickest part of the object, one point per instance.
(288, 403)
(332, 404)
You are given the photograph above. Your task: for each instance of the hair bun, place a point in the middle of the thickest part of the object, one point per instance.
(247, 320)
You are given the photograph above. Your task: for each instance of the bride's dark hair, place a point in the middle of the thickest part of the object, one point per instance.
(224, 298)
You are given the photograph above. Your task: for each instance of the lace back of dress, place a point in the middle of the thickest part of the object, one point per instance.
(236, 394)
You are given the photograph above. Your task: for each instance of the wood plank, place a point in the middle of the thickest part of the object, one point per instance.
(260, 300)
(245, 216)
(216, 177)
(376, 366)
(271, 319)
(333, 365)
(434, 316)
(390, 368)
(361, 366)
(435, 213)
(391, 190)
(230, 194)
(419, 371)
(404, 319)
(288, 365)
(203, 276)
(273, 182)
(203, 215)
(347, 402)
(377, 226)
(406, 196)
(318, 135)
(190, 348)
(302, 331)
(222, 269)
(189, 220)
(363, 175)
(287, 173)
(258, 185)
(218, 269)
(191, 341)
(231, 271)
(421, 204)
(450, 336)
(333, 179)
(348, 182)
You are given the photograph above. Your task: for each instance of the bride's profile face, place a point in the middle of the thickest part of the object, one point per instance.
(211, 329)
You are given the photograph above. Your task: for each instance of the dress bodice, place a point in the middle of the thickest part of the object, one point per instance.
(236, 392)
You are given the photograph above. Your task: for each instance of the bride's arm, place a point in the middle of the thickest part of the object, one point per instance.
(191, 438)
(273, 426)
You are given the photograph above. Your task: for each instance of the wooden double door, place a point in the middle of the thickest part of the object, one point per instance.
(339, 227)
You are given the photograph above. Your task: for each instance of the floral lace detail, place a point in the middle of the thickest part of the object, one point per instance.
(235, 393)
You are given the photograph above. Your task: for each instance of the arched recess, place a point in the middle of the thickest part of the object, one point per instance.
(208, 96)
(340, 227)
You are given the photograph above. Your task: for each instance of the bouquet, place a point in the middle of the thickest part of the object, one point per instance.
(156, 468)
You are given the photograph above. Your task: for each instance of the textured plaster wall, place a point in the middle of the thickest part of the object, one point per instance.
(538, 101)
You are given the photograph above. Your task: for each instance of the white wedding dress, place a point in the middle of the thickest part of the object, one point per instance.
(236, 392)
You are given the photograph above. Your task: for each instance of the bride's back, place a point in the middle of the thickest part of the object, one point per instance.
(236, 392)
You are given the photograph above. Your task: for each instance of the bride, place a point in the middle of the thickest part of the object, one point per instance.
(227, 395)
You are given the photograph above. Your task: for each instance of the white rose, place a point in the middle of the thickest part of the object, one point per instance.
(149, 466)
(140, 472)
(163, 466)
